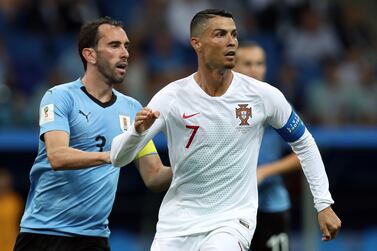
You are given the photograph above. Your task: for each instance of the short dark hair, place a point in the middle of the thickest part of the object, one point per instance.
(202, 17)
(88, 36)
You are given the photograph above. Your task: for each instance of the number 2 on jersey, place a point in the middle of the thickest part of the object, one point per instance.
(194, 130)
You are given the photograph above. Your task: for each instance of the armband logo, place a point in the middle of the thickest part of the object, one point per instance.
(124, 122)
(293, 129)
(294, 123)
(244, 114)
(46, 114)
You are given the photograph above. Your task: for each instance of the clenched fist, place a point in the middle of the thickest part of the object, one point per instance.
(145, 119)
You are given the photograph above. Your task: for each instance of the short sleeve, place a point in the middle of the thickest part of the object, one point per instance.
(54, 111)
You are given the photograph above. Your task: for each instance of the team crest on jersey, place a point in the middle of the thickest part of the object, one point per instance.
(244, 114)
(46, 114)
(124, 122)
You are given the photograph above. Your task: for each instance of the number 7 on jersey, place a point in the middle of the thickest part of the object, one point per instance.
(194, 130)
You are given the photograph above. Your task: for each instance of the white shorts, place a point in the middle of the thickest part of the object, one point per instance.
(220, 239)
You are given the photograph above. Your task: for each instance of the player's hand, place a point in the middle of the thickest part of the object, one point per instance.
(106, 157)
(329, 223)
(145, 119)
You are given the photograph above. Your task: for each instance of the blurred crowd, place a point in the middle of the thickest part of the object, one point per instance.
(321, 54)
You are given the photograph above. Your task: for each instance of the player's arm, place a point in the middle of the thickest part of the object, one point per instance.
(125, 146)
(63, 157)
(147, 124)
(314, 170)
(286, 164)
(291, 128)
(155, 175)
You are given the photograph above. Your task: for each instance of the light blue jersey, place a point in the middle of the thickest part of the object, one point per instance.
(76, 202)
(272, 194)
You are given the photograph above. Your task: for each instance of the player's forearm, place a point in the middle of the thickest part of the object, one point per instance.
(67, 158)
(125, 147)
(155, 175)
(160, 180)
(314, 170)
(284, 165)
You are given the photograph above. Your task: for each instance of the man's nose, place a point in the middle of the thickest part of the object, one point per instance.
(232, 40)
(125, 53)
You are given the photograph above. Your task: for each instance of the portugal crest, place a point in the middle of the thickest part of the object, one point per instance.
(243, 113)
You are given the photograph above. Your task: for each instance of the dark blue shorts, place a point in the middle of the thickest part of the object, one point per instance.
(44, 242)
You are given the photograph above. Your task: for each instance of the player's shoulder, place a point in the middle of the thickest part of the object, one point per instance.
(250, 82)
(62, 92)
(173, 89)
(255, 86)
(66, 88)
(123, 98)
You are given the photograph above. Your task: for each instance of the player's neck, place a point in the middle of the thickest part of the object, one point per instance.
(97, 88)
(214, 82)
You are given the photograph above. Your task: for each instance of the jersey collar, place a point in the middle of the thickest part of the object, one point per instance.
(105, 104)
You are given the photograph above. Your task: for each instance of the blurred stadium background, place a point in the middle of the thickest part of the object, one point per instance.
(322, 54)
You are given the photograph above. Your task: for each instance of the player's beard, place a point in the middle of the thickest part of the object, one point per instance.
(216, 65)
(230, 65)
(109, 72)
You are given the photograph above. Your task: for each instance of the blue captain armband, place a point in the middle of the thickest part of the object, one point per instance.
(293, 129)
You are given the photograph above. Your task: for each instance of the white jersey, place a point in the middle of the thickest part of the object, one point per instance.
(213, 147)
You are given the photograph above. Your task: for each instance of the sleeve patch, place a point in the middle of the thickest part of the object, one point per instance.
(293, 129)
(46, 114)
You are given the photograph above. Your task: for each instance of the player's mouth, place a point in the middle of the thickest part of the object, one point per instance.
(230, 54)
(121, 67)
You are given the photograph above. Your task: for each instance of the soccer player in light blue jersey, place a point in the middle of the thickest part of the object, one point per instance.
(73, 182)
(273, 210)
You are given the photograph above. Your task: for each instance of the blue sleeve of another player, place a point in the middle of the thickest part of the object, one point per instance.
(54, 110)
(293, 129)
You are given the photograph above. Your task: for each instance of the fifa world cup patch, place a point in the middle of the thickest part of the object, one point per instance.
(125, 122)
(46, 114)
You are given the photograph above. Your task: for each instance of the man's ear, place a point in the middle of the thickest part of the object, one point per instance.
(196, 44)
(90, 55)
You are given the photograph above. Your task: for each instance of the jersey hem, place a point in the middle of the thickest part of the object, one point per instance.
(60, 232)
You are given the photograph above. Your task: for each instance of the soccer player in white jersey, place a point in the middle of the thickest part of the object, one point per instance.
(214, 121)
